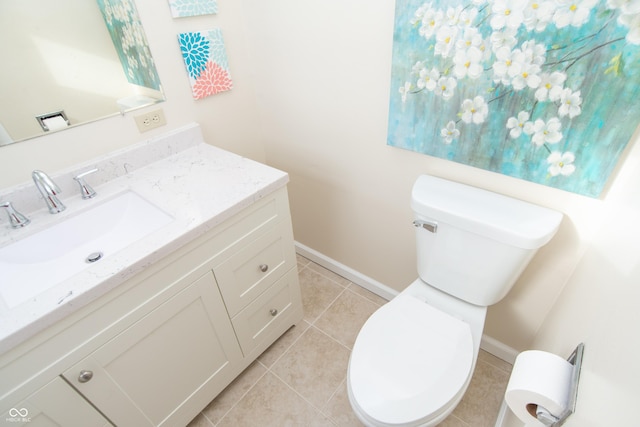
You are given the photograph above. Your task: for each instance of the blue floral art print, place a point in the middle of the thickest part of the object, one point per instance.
(205, 57)
(185, 8)
(545, 91)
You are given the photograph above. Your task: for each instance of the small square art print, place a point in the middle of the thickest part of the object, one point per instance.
(543, 90)
(206, 60)
(185, 8)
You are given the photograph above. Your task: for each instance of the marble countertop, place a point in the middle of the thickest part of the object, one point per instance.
(199, 185)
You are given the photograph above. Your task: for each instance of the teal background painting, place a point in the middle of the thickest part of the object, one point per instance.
(544, 91)
(129, 40)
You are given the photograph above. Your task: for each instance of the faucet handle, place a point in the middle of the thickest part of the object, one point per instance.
(85, 189)
(16, 218)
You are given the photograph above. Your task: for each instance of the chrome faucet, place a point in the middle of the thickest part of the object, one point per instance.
(49, 191)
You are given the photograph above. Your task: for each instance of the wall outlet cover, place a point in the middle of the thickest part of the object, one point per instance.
(150, 120)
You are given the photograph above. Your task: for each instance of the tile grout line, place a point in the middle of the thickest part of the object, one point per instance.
(241, 397)
(304, 398)
(328, 276)
(331, 397)
(364, 297)
(268, 368)
(324, 310)
(331, 338)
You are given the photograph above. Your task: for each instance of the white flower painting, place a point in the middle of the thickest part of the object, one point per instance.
(540, 90)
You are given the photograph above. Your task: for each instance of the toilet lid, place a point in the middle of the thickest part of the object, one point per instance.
(409, 361)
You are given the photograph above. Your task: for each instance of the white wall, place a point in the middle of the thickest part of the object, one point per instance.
(228, 120)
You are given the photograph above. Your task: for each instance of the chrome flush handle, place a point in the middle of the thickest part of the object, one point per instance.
(431, 226)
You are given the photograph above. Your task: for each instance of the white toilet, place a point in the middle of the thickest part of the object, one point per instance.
(414, 357)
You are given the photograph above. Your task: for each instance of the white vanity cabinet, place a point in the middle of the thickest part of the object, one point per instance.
(158, 348)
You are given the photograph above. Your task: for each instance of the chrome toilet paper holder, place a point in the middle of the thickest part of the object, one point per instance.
(43, 117)
(544, 416)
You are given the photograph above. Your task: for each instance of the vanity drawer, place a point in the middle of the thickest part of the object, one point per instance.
(269, 315)
(255, 267)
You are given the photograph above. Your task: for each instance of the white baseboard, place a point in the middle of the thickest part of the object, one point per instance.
(488, 344)
(498, 349)
(354, 276)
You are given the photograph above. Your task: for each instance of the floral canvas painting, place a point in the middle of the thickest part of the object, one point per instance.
(185, 8)
(541, 90)
(129, 40)
(206, 60)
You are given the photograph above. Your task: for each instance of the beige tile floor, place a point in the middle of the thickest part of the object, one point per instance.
(300, 379)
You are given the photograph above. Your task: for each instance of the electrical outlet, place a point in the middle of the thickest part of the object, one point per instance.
(150, 120)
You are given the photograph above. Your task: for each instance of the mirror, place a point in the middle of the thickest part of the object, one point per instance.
(81, 59)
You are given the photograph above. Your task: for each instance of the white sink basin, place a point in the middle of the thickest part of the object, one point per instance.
(40, 261)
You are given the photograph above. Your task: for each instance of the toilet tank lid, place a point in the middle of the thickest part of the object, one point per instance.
(492, 215)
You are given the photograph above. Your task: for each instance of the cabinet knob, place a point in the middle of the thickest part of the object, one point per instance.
(264, 268)
(273, 311)
(85, 376)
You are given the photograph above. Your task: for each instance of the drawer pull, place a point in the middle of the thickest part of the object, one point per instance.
(273, 311)
(264, 268)
(85, 376)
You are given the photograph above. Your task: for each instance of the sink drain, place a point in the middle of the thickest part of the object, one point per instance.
(94, 256)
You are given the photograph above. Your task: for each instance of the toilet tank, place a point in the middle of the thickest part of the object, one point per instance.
(473, 243)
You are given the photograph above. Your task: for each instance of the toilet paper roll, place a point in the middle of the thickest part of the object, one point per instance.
(541, 379)
(55, 123)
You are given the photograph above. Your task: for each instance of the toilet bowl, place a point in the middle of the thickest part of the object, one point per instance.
(414, 357)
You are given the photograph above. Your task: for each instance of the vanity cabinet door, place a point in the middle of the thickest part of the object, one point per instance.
(166, 367)
(56, 404)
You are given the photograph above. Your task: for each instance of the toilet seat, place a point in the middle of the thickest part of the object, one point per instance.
(410, 362)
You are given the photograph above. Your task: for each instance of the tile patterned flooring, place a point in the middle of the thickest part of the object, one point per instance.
(300, 379)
